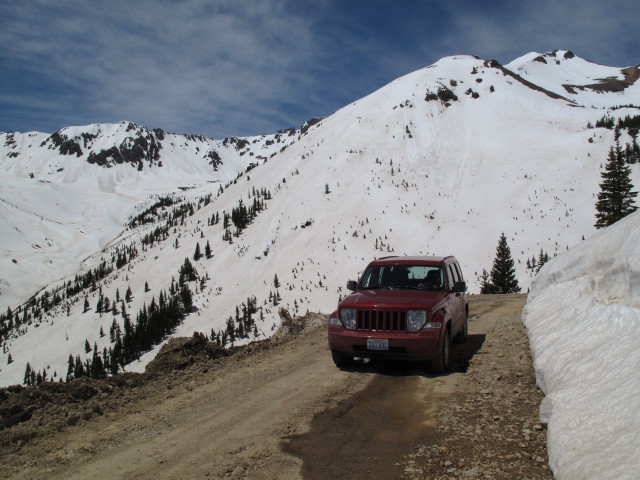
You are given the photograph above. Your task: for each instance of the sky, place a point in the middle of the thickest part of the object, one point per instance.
(224, 68)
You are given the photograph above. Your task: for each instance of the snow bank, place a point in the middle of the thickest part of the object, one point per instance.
(583, 322)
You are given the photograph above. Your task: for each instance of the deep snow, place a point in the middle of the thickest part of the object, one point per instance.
(583, 322)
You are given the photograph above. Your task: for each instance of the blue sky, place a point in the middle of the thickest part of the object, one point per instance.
(222, 68)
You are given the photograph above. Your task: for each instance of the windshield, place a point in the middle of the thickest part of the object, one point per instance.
(419, 277)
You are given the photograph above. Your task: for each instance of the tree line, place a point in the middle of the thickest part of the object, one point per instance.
(153, 323)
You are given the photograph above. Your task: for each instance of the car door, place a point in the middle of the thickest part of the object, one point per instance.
(456, 300)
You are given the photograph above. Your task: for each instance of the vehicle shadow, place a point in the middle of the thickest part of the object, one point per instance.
(461, 353)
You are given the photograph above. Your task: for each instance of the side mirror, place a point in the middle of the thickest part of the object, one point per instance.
(352, 285)
(459, 287)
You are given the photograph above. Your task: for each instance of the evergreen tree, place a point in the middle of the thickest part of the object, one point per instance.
(187, 272)
(207, 250)
(543, 258)
(486, 287)
(71, 367)
(615, 199)
(27, 375)
(97, 366)
(503, 274)
(78, 369)
(186, 298)
(197, 255)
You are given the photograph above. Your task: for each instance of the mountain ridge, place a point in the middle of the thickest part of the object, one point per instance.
(442, 160)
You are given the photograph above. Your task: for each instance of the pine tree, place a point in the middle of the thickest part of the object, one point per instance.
(615, 199)
(503, 274)
(486, 287)
(197, 255)
(186, 298)
(70, 368)
(207, 250)
(97, 366)
(543, 258)
(27, 375)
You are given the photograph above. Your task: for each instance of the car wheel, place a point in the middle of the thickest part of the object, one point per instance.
(461, 337)
(340, 359)
(442, 363)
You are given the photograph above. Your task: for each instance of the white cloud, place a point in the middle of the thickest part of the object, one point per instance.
(169, 61)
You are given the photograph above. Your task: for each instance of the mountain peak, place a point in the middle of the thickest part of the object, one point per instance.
(581, 81)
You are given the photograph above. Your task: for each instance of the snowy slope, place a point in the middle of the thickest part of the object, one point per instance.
(53, 200)
(441, 161)
(583, 322)
(586, 83)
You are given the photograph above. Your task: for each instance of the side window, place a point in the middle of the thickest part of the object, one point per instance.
(450, 277)
(457, 267)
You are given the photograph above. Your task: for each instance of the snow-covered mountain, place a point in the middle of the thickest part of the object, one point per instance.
(440, 161)
(68, 195)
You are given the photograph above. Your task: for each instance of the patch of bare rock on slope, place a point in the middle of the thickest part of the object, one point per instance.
(490, 430)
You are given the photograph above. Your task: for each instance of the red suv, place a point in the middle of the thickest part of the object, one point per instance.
(403, 308)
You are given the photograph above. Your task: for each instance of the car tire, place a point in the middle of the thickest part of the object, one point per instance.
(442, 363)
(340, 359)
(462, 335)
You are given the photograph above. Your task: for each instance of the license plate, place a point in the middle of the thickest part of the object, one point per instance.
(377, 344)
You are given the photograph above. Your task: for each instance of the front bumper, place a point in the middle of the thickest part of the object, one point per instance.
(423, 345)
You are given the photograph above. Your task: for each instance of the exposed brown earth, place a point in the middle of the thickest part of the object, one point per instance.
(281, 409)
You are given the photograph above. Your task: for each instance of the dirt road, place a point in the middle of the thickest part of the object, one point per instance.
(284, 411)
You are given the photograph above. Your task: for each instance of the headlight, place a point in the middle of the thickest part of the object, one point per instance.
(335, 321)
(416, 320)
(348, 317)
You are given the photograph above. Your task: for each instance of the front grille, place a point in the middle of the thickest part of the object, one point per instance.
(380, 320)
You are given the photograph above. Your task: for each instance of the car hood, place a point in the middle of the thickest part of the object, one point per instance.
(394, 299)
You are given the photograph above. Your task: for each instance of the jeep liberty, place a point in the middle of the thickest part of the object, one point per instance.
(403, 308)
